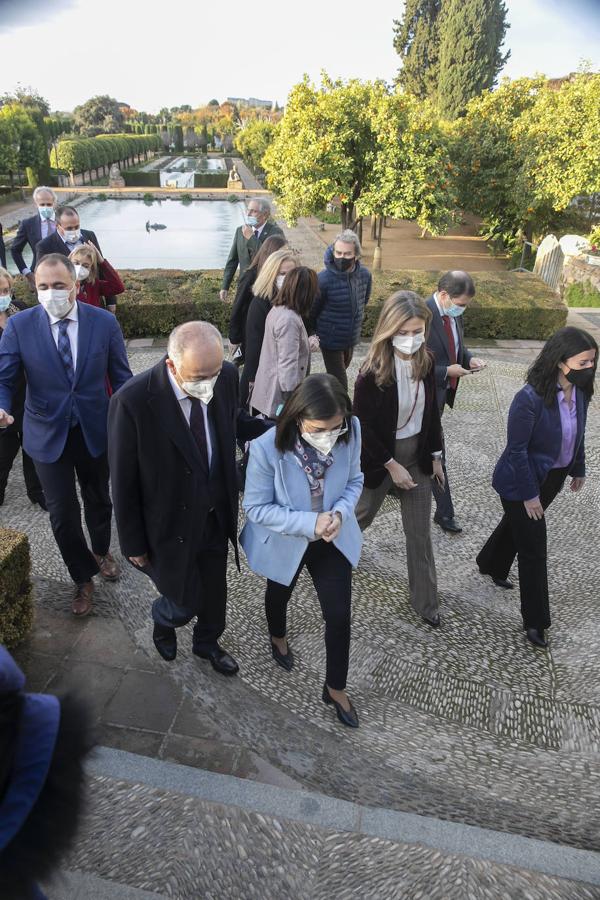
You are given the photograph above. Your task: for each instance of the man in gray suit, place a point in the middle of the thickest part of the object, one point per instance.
(248, 238)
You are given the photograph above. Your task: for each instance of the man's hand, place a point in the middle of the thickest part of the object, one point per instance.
(534, 508)
(314, 342)
(477, 363)
(5, 419)
(400, 476)
(247, 231)
(577, 484)
(140, 561)
(323, 523)
(438, 472)
(223, 295)
(333, 529)
(456, 371)
(31, 282)
(112, 309)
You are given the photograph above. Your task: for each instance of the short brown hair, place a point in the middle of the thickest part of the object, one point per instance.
(299, 291)
(319, 396)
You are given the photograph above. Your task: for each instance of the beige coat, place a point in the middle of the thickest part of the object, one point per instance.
(284, 359)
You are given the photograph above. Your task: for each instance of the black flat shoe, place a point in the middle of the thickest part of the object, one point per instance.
(435, 622)
(501, 582)
(285, 660)
(347, 717)
(449, 525)
(165, 641)
(536, 636)
(219, 659)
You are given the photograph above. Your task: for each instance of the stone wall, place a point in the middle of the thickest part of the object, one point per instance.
(578, 270)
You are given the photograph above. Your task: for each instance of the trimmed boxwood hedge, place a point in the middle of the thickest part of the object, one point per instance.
(16, 592)
(508, 305)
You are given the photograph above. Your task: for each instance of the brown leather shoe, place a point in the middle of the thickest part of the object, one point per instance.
(82, 601)
(109, 567)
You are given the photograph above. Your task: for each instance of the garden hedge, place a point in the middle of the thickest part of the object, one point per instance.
(16, 592)
(508, 305)
(141, 179)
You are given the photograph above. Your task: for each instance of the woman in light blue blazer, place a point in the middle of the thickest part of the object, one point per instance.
(302, 483)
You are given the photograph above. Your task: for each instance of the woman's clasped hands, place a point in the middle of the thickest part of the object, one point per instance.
(328, 526)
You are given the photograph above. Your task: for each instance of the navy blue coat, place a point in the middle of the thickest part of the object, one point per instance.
(27, 345)
(29, 232)
(338, 312)
(533, 445)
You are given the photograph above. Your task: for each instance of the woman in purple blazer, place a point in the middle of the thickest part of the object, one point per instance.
(546, 430)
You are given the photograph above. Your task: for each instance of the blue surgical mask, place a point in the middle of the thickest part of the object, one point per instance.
(455, 310)
(47, 212)
(4, 302)
(253, 221)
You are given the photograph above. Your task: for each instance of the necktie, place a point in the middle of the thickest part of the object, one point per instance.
(198, 430)
(451, 347)
(64, 349)
(256, 233)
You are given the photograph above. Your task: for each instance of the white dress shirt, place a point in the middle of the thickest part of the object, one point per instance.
(185, 404)
(411, 400)
(72, 331)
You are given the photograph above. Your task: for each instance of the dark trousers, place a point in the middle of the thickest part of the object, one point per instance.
(331, 575)
(336, 363)
(10, 442)
(518, 535)
(209, 606)
(58, 482)
(442, 496)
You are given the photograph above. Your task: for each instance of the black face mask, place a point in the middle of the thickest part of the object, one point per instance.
(581, 378)
(343, 264)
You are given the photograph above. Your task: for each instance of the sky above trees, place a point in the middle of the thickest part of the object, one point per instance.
(188, 53)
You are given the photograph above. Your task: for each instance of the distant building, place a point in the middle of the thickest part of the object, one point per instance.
(251, 102)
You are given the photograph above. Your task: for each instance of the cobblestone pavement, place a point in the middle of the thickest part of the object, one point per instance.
(468, 723)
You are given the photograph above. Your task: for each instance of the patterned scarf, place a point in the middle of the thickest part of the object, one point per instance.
(313, 463)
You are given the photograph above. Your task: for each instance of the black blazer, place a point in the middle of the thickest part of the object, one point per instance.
(243, 251)
(159, 486)
(2, 249)
(29, 232)
(241, 305)
(377, 410)
(437, 342)
(55, 244)
(258, 311)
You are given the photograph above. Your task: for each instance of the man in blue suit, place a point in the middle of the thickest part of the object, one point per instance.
(33, 230)
(66, 350)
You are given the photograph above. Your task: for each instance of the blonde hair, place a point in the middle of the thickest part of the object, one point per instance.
(5, 274)
(264, 286)
(86, 253)
(397, 310)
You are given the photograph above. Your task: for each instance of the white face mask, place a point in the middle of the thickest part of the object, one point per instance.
(81, 272)
(71, 237)
(323, 441)
(56, 302)
(408, 343)
(200, 390)
(279, 282)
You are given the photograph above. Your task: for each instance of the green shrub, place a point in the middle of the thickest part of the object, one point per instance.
(507, 305)
(148, 198)
(141, 179)
(210, 179)
(582, 294)
(16, 592)
(101, 196)
(185, 198)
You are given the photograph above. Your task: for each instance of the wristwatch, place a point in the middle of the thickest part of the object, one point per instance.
(437, 454)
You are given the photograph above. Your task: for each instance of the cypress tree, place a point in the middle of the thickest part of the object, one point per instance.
(416, 41)
(470, 58)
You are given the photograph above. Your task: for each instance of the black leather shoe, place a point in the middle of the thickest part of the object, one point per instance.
(501, 582)
(221, 661)
(435, 622)
(285, 660)
(449, 525)
(536, 636)
(165, 641)
(39, 499)
(347, 717)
